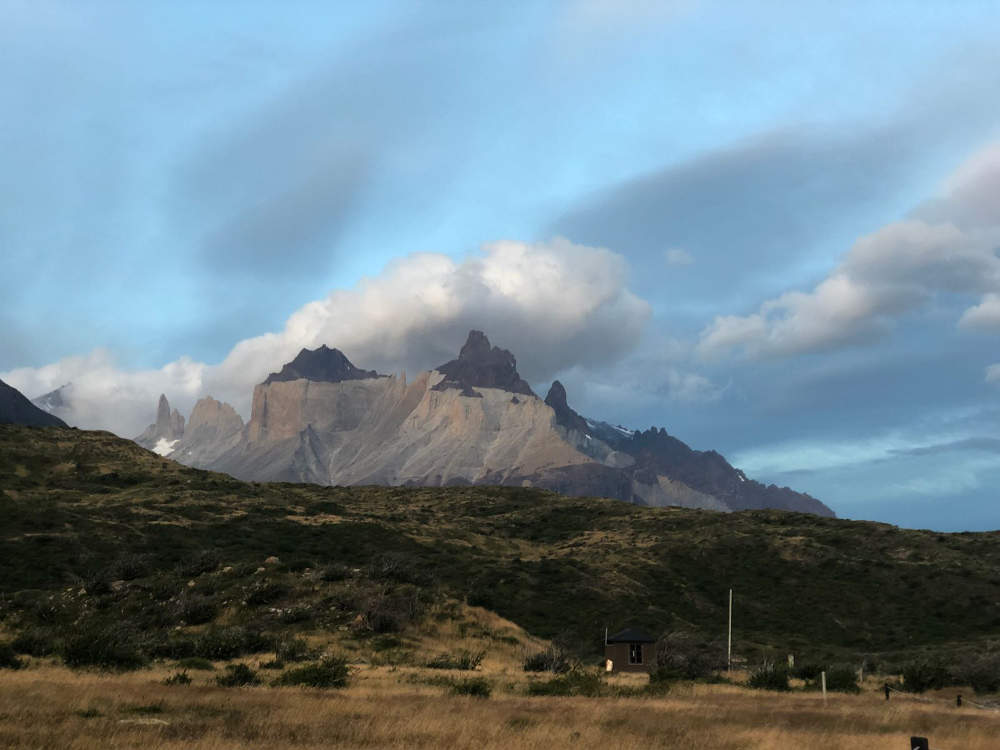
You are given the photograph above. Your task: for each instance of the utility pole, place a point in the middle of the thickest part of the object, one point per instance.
(729, 647)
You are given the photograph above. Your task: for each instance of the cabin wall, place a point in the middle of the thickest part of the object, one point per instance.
(618, 653)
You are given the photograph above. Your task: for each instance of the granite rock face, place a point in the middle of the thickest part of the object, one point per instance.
(213, 429)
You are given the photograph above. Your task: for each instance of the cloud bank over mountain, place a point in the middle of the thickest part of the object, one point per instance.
(556, 304)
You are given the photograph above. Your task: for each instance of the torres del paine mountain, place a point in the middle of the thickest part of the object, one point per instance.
(472, 420)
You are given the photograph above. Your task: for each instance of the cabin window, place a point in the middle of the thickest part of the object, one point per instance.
(635, 653)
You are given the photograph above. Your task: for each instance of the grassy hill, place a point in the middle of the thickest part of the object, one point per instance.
(99, 536)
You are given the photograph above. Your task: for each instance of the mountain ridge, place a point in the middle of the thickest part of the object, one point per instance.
(473, 420)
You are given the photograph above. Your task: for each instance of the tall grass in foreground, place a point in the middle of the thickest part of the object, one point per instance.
(51, 707)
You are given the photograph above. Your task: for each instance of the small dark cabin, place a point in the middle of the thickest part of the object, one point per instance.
(631, 650)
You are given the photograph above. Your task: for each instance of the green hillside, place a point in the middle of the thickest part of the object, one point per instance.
(96, 532)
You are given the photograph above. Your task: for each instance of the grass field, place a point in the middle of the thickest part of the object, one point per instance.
(48, 706)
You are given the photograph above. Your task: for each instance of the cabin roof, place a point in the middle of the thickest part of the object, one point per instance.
(631, 635)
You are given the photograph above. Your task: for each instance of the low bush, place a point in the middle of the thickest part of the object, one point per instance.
(172, 647)
(684, 656)
(178, 678)
(196, 662)
(227, 643)
(335, 572)
(197, 610)
(769, 676)
(843, 679)
(8, 658)
(477, 687)
(331, 672)
(266, 592)
(574, 682)
(292, 649)
(465, 660)
(36, 642)
(925, 674)
(238, 675)
(553, 659)
(112, 647)
(981, 672)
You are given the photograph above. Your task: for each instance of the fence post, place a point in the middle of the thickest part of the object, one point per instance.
(822, 676)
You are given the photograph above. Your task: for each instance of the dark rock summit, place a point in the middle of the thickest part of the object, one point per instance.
(322, 365)
(565, 416)
(483, 366)
(15, 408)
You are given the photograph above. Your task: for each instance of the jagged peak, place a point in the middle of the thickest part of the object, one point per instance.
(566, 417)
(481, 365)
(322, 364)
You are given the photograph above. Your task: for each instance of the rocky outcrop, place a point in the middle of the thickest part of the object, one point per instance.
(323, 365)
(213, 429)
(474, 420)
(15, 408)
(161, 436)
(566, 417)
(481, 366)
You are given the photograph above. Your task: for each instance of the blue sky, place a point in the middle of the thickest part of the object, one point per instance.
(769, 227)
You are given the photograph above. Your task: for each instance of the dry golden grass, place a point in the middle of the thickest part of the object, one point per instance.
(47, 706)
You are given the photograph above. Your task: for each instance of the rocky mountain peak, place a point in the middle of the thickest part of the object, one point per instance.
(565, 416)
(15, 408)
(323, 365)
(164, 433)
(481, 365)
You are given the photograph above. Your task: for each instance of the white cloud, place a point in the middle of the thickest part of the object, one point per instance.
(993, 373)
(675, 256)
(949, 246)
(555, 305)
(985, 315)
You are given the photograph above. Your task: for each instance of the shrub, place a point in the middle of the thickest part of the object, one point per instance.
(331, 672)
(807, 671)
(477, 687)
(172, 647)
(114, 647)
(228, 643)
(8, 659)
(238, 675)
(178, 678)
(769, 676)
(36, 642)
(553, 659)
(273, 664)
(265, 593)
(982, 673)
(842, 678)
(683, 656)
(335, 572)
(925, 674)
(197, 610)
(204, 562)
(574, 682)
(292, 649)
(196, 662)
(390, 613)
(465, 660)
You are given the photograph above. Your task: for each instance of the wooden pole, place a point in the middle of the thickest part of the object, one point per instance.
(822, 676)
(729, 646)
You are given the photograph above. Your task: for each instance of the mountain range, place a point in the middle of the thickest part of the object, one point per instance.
(470, 421)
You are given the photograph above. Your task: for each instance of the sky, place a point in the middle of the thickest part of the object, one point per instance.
(771, 228)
